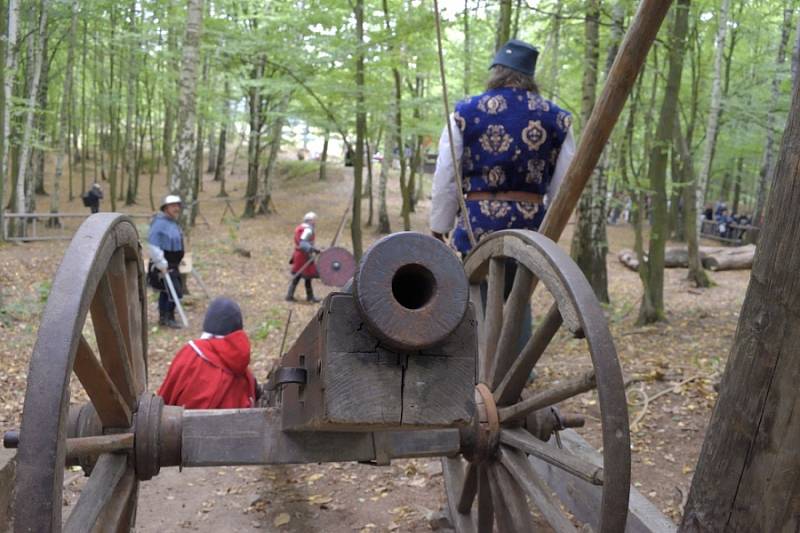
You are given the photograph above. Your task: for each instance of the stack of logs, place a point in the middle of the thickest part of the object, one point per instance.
(713, 258)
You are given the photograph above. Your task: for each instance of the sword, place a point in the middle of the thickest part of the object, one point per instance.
(200, 282)
(171, 287)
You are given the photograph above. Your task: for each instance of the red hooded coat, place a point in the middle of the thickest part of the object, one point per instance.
(211, 374)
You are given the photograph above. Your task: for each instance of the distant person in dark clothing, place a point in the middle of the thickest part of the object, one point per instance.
(92, 198)
(708, 212)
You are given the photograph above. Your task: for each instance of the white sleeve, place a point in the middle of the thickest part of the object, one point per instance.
(562, 164)
(156, 255)
(444, 193)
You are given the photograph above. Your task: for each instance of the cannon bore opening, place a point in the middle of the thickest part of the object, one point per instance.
(413, 286)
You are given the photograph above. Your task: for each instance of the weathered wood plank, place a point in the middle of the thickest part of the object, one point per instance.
(111, 407)
(253, 436)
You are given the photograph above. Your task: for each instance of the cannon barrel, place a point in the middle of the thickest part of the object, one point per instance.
(411, 291)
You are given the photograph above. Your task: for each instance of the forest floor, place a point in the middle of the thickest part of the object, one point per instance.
(691, 348)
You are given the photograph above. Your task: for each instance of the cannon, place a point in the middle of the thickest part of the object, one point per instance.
(417, 357)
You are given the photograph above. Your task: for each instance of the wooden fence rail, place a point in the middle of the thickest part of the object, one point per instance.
(35, 225)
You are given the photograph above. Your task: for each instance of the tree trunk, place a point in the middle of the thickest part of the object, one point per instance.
(696, 273)
(555, 61)
(467, 49)
(272, 158)
(40, 124)
(182, 174)
(582, 246)
(130, 144)
(361, 127)
(21, 203)
(746, 478)
(323, 158)
(84, 118)
(368, 190)
(768, 161)
(653, 310)
(63, 126)
(714, 112)
(384, 224)
(254, 141)
(169, 97)
(737, 184)
(8, 86)
(219, 170)
(212, 151)
(503, 32)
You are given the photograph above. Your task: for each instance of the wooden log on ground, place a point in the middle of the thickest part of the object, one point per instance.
(728, 258)
(713, 257)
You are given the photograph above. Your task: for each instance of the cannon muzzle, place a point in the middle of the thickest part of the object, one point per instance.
(410, 290)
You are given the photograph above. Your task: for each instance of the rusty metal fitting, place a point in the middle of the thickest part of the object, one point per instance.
(411, 291)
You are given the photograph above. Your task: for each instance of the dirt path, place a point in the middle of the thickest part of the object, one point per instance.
(348, 497)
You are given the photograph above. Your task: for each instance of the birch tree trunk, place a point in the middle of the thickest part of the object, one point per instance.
(253, 141)
(768, 158)
(63, 126)
(554, 65)
(183, 166)
(746, 477)
(219, 170)
(8, 87)
(40, 127)
(714, 111)
(27, 135)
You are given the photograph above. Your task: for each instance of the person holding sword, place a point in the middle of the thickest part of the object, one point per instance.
(302, 258)
(165, 242)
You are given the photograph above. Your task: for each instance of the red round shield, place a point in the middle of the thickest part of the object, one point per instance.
(336, 266)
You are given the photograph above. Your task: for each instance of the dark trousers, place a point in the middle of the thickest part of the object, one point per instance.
(166, 306)
(94, 208)
(293, 285)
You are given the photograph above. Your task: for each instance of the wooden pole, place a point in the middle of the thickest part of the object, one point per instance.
(630, 58)
(748, 475)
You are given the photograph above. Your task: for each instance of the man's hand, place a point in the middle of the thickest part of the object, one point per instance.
(315, 250)
(162, 266)
(441, 236)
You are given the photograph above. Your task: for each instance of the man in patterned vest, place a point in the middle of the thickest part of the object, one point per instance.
(514, 149)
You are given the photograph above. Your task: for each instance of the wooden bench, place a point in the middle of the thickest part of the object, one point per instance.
(742, 233)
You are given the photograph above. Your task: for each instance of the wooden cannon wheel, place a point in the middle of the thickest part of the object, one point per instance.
(101, 277)
(492, 481)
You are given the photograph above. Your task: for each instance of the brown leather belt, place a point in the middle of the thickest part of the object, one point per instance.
(507, 196)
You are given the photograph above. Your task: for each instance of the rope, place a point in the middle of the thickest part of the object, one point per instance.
(456, 163)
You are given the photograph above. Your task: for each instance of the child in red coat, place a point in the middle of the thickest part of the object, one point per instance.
(212, 372)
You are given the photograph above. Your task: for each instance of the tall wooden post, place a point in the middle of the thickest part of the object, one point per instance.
(748, 476)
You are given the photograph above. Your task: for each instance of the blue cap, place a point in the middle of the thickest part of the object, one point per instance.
(517, 55)
(222, 317)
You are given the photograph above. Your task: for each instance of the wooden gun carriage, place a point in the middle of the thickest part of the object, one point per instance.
(419, 357)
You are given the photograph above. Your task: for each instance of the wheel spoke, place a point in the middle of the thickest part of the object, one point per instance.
(111, 407)
(494, 314)
(476, 298)
(485, 507)
(111, 341)
(517, 464)
(137, 327)
(468, 489)
(514, 380)
(511, 508)
(98, 492)
(548, 397)
(117, 281)
(513, 313)
(453, 474)
(120, 513)
(522, 440)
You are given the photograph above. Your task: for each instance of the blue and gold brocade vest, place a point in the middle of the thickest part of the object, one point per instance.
(512, 139)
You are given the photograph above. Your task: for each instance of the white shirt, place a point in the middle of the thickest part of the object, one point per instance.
(444, 194)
